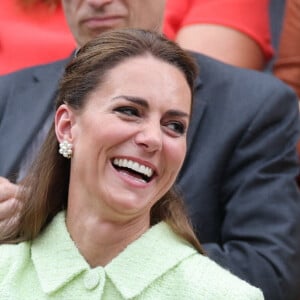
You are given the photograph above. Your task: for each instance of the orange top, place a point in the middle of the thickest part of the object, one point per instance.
(32, 37)
(40, 36)
(250, 17)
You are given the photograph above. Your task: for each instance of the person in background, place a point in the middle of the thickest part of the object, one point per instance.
(111, 190)
(32, 32)
(287, 63)
(238, 177)
(235, 32)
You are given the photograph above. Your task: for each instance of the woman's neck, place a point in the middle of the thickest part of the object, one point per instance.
(100, 241)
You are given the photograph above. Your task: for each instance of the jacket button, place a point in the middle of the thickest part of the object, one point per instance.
(91, 280)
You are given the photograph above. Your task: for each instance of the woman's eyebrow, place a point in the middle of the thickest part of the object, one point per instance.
(142, 102)
(137, 100)
(177, 113)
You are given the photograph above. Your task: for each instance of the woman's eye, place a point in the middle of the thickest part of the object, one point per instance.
(176, 127)
(127, 110)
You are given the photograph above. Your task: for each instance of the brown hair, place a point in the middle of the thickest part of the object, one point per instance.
(46, 186)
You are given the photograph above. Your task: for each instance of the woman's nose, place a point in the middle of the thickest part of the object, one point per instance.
(150, 137)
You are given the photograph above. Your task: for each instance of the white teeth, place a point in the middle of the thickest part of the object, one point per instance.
(133, 165)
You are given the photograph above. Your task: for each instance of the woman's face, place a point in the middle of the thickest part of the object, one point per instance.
(129, 141)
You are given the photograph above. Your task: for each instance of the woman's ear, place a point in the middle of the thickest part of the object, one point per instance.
(64, 121)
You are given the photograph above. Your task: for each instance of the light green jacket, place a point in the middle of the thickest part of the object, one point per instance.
(158, 265)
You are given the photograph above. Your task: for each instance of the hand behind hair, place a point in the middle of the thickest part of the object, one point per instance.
(9, 206)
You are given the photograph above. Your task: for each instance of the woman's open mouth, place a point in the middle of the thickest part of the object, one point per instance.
(134, 169)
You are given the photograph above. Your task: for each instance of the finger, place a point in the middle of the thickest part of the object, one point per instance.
(9, 208)
(3, 179)
(7, 190)
(7, 226)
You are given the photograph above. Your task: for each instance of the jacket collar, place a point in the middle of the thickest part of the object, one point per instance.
(133, 270)
(55, 256)
(148, 258)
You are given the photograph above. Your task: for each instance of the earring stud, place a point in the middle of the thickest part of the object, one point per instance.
(65, 149)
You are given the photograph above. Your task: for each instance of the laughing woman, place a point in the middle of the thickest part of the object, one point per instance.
(100, 218)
